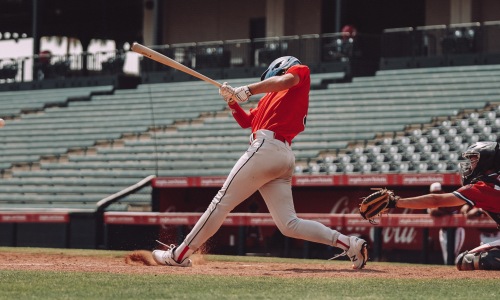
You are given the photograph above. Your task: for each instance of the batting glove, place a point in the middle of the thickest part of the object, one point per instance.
(242, 94)
(239, 94)
(226, 91)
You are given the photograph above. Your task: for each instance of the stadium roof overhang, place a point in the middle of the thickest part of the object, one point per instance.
(85, 20)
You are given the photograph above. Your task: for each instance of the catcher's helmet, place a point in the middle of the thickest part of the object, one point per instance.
(480, 157)
(279, 66)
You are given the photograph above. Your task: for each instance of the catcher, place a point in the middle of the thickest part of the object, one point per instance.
(480, 173)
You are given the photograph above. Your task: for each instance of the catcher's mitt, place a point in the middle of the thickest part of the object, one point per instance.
(377, 203)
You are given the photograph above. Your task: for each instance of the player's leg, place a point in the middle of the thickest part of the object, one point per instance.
(459, 239)
(484, 257)
(443, 241)
(485, 260)
(279, 199)
(277, 195)
(250, 172)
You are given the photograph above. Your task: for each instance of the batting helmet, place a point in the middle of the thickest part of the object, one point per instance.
(279, 66)
(480, 157)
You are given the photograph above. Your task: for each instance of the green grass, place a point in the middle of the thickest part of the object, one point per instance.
(74, 285)
(85, 285)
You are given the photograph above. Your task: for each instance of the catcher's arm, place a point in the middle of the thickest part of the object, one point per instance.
(377, 203)
(382, 200)
(431, 201)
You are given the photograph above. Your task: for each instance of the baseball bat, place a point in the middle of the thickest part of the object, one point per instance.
(152, 54)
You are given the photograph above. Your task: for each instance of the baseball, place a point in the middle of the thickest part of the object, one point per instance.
(2, 123)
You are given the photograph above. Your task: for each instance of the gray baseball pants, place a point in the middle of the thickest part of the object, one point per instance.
(267, 166)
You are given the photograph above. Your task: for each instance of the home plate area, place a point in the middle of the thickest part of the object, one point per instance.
(141, 262)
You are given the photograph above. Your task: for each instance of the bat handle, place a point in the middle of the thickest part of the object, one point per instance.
(216, 83)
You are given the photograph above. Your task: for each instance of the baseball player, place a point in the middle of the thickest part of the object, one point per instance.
(267, 166)
(459, 233)
(480, 173)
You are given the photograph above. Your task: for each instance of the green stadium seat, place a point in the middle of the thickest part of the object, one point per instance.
(200, 138)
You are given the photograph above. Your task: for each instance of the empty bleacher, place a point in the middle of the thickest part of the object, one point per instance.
(450, 107)
(38, 146)
(77, 152)
(13, 103)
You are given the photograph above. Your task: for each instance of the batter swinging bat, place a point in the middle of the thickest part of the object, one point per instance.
(150, 53)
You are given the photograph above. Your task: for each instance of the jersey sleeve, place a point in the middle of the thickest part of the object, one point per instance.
(481, 195)
(462, 194)
(242, 118)
(302, 71)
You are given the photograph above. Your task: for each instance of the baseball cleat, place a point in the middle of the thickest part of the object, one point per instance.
(357, 252)
(166, 258)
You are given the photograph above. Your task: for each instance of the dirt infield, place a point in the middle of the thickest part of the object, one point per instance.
(140, 262)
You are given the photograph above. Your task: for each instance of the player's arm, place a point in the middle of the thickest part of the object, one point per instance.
(430, 201)
(274, 84)
(233, 96)
(243, 118)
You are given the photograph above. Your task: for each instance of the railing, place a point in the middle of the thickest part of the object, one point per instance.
(313, 49)
(439, 40)
(331, 220)
(77, 229)
(48, 66)
(344, 221)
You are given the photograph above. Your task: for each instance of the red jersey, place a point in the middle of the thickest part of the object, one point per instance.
(481, 194)
(282, 112)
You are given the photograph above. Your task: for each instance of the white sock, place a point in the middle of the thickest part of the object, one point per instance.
(343, 242)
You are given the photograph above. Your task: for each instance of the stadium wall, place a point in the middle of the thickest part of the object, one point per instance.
(315, 196)
(396, 237)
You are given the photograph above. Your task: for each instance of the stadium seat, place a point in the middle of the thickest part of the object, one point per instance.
(402, 121)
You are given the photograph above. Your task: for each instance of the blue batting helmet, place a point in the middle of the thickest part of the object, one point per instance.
(279, 66)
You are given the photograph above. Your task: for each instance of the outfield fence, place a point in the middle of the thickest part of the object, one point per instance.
(71, 229)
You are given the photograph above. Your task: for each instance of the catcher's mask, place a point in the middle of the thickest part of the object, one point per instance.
(279, 66)
(480, 157)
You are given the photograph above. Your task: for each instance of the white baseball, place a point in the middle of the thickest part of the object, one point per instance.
(2, 123)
